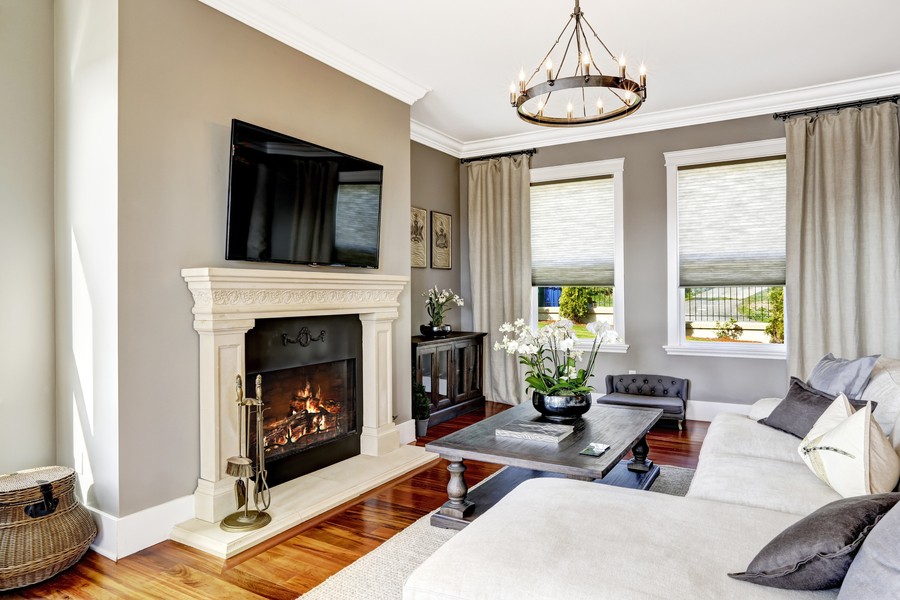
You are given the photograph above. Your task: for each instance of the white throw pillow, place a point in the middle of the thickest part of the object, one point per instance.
(851, 453)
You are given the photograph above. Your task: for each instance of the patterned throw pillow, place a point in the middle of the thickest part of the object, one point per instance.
(848, 451)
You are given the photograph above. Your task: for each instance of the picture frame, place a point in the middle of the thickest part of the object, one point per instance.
(441, 240)
(418, 251)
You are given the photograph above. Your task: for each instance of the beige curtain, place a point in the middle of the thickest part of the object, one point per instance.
(843, 236)
(500, 263)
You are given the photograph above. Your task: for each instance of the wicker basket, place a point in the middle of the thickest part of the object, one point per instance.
(43, 529)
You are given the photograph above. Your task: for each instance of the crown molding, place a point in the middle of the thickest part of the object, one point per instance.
(842, 91)
(276, 21)
(419, 132)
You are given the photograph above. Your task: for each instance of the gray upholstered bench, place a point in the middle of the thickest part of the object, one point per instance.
(652, 391)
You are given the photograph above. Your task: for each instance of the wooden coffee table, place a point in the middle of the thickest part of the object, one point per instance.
(623, 428)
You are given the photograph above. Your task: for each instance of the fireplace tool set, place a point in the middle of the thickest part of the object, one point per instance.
(241, 466)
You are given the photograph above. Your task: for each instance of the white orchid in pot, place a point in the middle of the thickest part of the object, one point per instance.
(550, 354)
(437, 303)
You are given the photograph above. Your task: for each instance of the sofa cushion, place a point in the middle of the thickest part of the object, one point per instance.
(875, 572)
(739, 435)
(854, 457)
(801, 408)
(841, 375)
(559, 538)
(815, 552)
(884, 388)
(670, 404)
(760, 482)
(763, 407)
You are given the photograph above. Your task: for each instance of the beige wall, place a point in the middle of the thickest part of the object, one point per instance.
(186, 71)
(435, 186)
(27, 428)
(735, 380)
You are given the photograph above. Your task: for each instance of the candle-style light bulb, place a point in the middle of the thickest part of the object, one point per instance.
(599, 106)
(522, 80)
(643, 75)
(540, 108)
(586, 63)
(622, 65)
(512, 93)
(549, 67)
(569, 110)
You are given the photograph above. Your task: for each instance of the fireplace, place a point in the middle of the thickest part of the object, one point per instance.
(310, 369)
(231, 307)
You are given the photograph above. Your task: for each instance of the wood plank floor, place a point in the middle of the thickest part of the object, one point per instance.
(300, 559)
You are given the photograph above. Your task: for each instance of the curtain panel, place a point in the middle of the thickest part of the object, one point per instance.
(843, 236)
(500, 262)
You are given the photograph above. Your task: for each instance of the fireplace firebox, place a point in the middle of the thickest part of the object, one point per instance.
(311, 417)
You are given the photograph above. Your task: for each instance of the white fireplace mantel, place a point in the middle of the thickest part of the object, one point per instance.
(227, 302)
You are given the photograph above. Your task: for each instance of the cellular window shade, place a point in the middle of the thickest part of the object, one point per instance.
(731, 224)
(572, 233)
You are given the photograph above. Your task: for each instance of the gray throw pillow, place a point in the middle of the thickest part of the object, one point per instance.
(842, 376)
(801, 408)
(875, 572)
(815, 552)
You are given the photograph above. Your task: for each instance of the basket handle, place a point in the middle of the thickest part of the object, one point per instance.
(47, 505)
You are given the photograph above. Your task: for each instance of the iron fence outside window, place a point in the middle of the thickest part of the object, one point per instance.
(741, 303)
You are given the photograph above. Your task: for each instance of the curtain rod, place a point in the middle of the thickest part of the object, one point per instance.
(530, 152)
(784, 116)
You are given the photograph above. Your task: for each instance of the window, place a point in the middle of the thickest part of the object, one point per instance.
(726, 213)
(576, 245)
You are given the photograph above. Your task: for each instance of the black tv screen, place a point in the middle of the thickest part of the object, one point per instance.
(291, 201)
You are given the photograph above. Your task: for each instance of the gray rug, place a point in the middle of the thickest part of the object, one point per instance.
(379, 575)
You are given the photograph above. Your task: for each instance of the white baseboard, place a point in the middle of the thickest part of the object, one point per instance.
(407, 430)
(701, 410)
(121, 536)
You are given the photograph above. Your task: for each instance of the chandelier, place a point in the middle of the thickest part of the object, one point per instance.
(590, 94)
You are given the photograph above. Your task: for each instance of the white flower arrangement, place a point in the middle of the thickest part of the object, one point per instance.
(436, 303)
(551, 356)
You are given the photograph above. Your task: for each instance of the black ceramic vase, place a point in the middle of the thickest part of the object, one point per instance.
(435, 331)
(561, 409)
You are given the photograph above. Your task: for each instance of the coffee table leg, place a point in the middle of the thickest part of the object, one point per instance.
(457, 506)
(640, 463)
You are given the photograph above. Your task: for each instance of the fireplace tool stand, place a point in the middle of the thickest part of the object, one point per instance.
(241, 466)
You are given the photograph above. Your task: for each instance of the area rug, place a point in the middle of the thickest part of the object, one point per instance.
(379, 575)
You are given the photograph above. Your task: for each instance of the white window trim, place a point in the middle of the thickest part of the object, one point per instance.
(614, 167)
(677, 344)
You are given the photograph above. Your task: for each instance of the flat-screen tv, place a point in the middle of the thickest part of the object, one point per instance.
(291, 201)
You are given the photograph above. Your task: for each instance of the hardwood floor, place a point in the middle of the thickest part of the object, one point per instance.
(304, 557)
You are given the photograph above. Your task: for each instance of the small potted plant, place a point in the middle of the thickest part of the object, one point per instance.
(437, 303)
(421, 408)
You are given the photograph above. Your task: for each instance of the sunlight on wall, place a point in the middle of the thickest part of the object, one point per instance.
(83, 336)
(83, 352)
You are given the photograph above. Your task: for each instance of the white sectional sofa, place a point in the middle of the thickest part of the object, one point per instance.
(557, 538)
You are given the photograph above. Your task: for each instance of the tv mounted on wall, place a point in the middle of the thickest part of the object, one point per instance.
(291, 201)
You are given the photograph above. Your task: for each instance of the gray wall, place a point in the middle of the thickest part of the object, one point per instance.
(435, 186)
(27, 365)
(737, 380)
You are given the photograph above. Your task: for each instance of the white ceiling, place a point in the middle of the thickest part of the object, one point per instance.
(708, 60)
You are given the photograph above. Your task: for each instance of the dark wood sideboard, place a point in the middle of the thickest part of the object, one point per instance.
(452, 371)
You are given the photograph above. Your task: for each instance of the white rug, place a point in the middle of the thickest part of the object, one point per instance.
(379, 575)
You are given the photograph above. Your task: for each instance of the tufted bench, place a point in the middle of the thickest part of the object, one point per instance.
(652, 391)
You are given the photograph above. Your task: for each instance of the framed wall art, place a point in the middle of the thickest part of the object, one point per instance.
(418, 221)
(441, 240)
